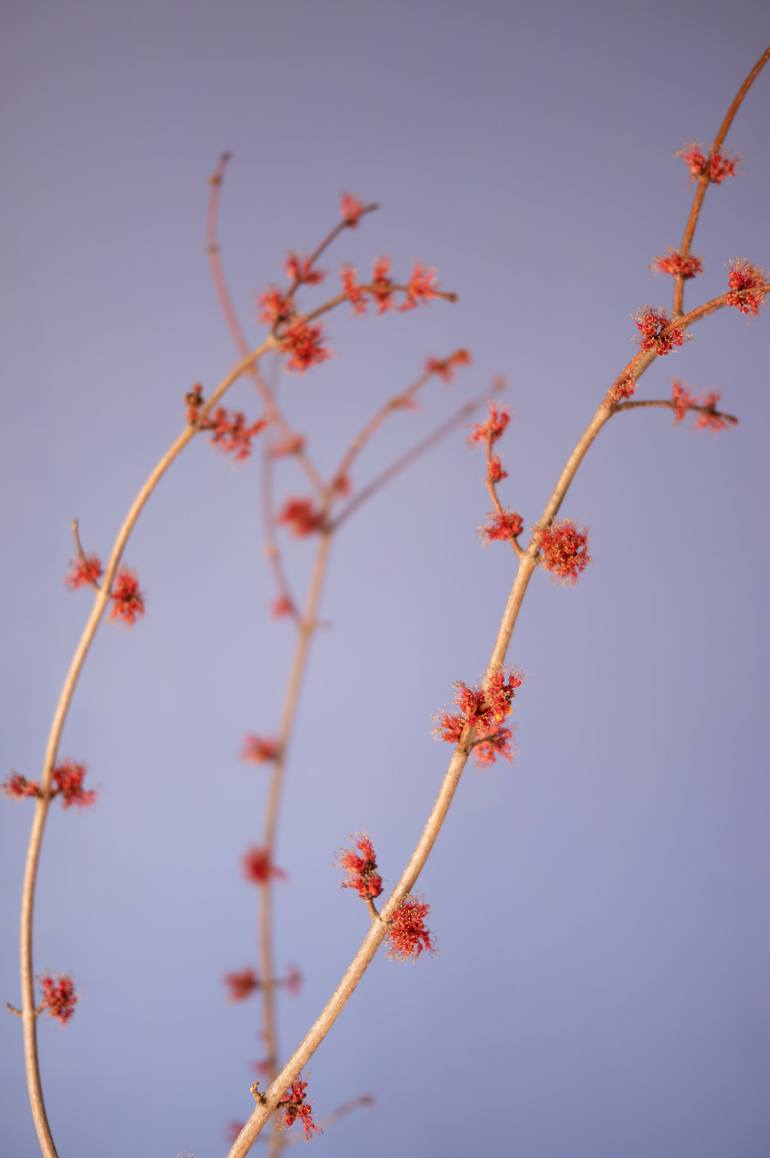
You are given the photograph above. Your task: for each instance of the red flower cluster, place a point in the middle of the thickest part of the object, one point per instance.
(407, 932)
(564, 550)
(66, 782)
(361, 868)
(84, 572)
(351, 209)
(275, 307)
(485, 710)
(746, 281)
(228, 428)
(622, 388)
(677, 265)
(296, 1107)
(421, 287)
(717, 166)
(59, 996)
(258, 866)
(493, 428)
(304, 342)
(501, 527)
(301, 515)
(656, 330)
(495, 471)
(445, 367)
(127, 599)
(242, 985)
(260, 749)
(487, 751)
(708, 418)
(300, 270)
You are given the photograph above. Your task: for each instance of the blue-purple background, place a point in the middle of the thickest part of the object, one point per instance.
(601, 908)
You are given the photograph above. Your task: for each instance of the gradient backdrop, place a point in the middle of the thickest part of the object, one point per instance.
(602, 907)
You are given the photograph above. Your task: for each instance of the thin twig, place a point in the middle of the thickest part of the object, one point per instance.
(703, 180)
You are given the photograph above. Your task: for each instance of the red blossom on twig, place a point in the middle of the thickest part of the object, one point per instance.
(231, 434)
(295, 1107)
(361, 868)
(66, 782)
(353, 290)
(445, 367)
(717, 166)
(708, 416)
(351, 209)
(84, 572)
(275, 307)
(127, 599)
(682, 400)
(301, 516)
(260, 749)
(421, 286)
(305, 343)
(59, 996)
(745, 281)
(382, 287)
(300, 269)
(493, 428)
(677, 265)
(241, 985)
(258, 866)
(501, 526)
(483, 710)
(564, 550)
(407, 931)
(622, 388)
(281, 607)
(656, 331)
(499, 744)
(495, 471)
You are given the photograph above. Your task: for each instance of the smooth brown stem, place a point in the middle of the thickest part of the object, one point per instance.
(34, 847)
(703, 181)
(669, 404)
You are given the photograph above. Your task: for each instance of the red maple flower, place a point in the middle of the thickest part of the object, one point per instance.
(127, 599)
(353, 290)
(300, 270)
(445, 367)
(493, 428)
(656, 330)
(85, 571)
(296, 1108)
(275, 307)
(564, 550)
(382, 288)
(68, 780)
(717, 166)
(496, 745)
(301, 516)
(483, 708)
(709, 418)
(677, 265)
(305, 343)
(407, 932)
(501, 527)
(746, 281)
(258, 866)
(19, 787)
(282, 606)
(351, 209)
(260, 749)
(242, 985)
(421, 286)
(231, 434)
(682, 399)
(495, 472)
(59, 996)
(361, 868)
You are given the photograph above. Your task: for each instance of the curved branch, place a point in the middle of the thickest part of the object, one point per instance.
(101, 598)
